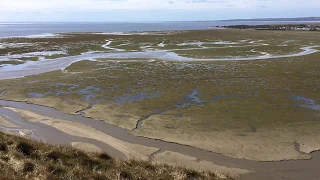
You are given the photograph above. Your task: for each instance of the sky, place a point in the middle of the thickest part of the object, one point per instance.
(152, 10)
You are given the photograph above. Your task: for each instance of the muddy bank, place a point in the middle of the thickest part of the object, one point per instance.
(294, 169)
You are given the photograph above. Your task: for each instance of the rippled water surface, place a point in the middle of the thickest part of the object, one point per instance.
(27, 29)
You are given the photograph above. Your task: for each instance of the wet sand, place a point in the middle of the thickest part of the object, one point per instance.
(292, 169)
(47, 65)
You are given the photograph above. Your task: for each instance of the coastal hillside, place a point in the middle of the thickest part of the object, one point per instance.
(279, 19)
(21, 158)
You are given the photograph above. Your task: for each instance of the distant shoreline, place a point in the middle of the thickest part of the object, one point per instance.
(279, 19)
(287, 27)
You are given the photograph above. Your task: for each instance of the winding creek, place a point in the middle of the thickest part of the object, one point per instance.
(293, 169)
(47, 65)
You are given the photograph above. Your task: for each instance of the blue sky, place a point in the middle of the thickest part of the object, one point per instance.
(152, 10)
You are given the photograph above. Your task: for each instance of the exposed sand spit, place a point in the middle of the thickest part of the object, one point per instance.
(80, 130)
(173, 158)
(87, 147)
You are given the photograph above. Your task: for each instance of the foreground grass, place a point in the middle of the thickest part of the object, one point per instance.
(24, 159)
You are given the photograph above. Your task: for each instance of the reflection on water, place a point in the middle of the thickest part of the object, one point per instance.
(35, 95)
(135, 97)
(2, 93)
(194, 99)
(90, 94)
(307, 102)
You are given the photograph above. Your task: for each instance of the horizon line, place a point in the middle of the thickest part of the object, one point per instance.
(245, 19)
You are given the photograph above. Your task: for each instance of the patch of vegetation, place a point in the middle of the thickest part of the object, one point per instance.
(25, 148)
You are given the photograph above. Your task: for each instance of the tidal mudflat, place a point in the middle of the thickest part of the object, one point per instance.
(248, 95)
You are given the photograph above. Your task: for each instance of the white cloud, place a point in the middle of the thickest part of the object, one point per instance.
(86, 5)
(152, 10)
